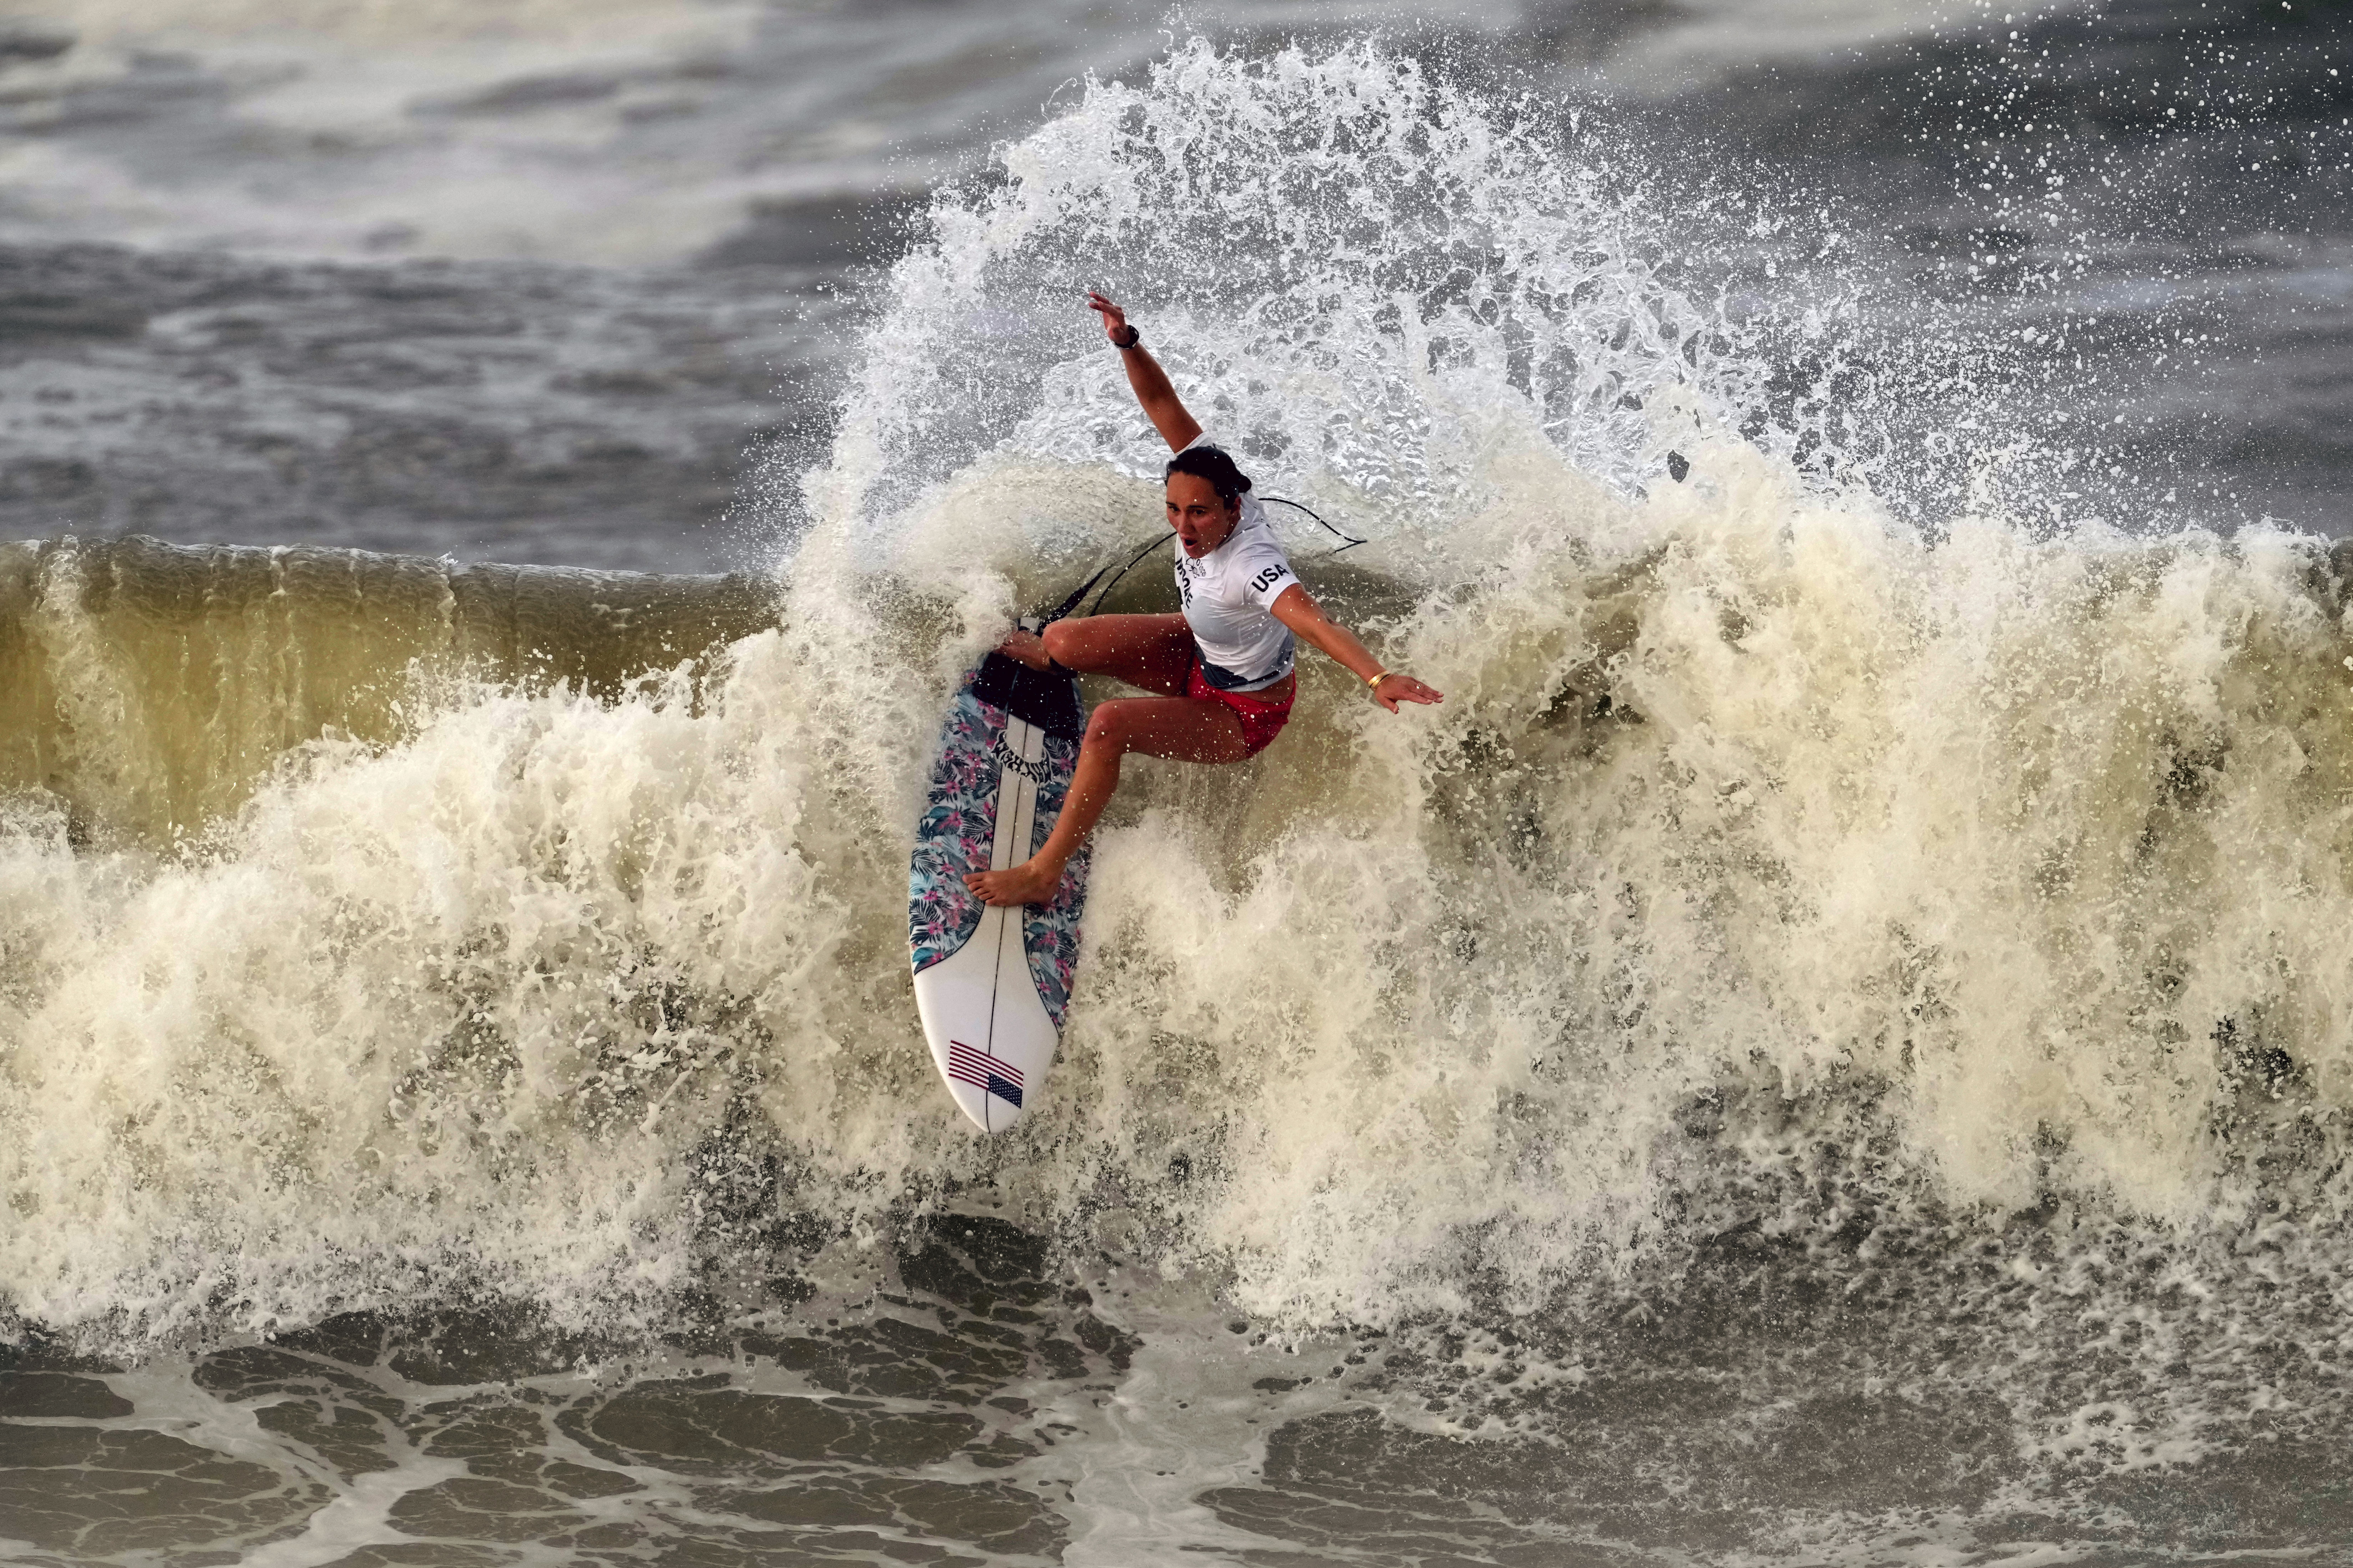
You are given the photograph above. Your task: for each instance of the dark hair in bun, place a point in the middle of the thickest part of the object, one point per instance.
(1212, 464)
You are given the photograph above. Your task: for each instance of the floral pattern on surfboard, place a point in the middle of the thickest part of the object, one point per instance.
(959, 823)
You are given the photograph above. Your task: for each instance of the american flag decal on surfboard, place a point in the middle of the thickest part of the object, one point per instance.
(969, 1064)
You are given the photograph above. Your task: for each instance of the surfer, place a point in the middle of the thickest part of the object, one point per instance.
(1223, 667)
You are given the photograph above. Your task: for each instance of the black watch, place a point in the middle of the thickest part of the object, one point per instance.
(1133, 338)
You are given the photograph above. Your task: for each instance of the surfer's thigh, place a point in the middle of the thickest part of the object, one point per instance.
(1178, 728)
(1151, 651)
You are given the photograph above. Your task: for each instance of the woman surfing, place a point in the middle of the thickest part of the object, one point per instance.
(1223, 667)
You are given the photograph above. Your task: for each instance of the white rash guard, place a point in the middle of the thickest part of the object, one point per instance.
(1228, 596)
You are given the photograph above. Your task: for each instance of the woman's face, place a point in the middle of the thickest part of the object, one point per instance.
(1201, 519)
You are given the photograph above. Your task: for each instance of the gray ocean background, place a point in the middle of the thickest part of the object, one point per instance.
(546, 284)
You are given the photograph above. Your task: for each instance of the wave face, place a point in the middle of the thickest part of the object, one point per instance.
(1805, 935)
(151, 687)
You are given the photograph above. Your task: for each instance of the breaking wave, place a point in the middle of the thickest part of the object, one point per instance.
(376, 928)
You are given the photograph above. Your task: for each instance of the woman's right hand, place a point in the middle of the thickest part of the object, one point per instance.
(1114, 319)
(1393, 689)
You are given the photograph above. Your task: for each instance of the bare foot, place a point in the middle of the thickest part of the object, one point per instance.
(1028, 647)
(1030, 882)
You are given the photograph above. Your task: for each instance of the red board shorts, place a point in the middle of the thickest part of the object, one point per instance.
(1263, 717)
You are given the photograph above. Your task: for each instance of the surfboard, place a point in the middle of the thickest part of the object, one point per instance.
(992, 985)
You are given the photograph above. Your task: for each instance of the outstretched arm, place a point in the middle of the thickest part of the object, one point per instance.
(1150, 383)
(1294, 608)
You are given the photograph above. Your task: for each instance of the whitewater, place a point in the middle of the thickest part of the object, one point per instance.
(1831, 1045)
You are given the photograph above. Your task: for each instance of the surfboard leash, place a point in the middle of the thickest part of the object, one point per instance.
(1063, 610)
(1352, 542)
(1123, 571)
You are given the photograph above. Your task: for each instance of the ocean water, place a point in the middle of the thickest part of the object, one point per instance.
(1830, 1046)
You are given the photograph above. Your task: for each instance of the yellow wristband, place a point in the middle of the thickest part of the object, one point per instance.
(1374, 680)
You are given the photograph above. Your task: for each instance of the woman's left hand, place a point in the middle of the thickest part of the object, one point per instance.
(1396, 688)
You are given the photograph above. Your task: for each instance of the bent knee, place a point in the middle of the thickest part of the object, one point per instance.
(1062, 640)
(1108, 726)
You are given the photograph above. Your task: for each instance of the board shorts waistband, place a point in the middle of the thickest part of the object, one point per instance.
(1225, 679)
(1263, 717)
